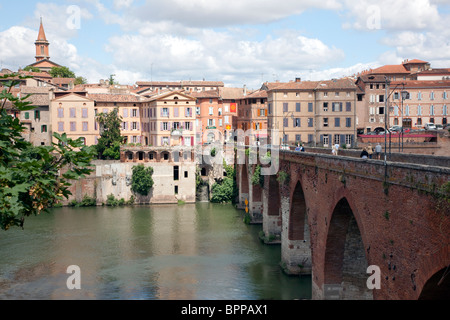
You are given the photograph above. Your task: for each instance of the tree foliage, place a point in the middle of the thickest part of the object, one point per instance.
(61, 72)
(225, 190)
(108, 146)
(31, 69)
(33, 179)
(141, 180)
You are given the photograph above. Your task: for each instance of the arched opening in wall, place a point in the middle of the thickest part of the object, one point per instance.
(274, 202)
(297, 216)
(244, 177)
(345, 259)
(129, 156)
(165, 156)
(140, 156)
(438, 286)
(152, 156)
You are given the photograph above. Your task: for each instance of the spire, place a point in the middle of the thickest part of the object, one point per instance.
(41, 35)
(42, 44)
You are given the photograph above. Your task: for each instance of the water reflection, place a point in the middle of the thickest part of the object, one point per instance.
(201, 251)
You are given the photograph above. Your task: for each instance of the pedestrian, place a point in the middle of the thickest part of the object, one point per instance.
(333, 150)
(364, 154)
(378, 151)
(336, 146)
(370, 151)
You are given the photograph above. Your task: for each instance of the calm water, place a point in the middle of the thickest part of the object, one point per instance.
(199, 252)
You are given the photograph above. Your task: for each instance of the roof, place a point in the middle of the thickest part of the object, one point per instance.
(180, 84)
(372, 78)
(390, 69)
(61, 81)
(422, 83)
(345, 83)
(415, 61)
(109, 97)
(256, 94)
(227, 93)
(41, 35)
(44, 60)
(205, 94)
(434, 72)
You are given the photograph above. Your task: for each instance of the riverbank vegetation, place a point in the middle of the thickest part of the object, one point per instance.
(30, 179)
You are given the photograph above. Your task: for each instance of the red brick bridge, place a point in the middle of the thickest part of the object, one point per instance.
(337, 215)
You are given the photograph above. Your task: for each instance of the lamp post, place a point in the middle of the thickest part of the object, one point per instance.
(405, 95)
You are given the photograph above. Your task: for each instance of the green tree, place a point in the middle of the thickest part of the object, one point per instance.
(31, 69)
(141, 180)
(108, 146)
(61, 72)
(33, 179)
(112, 80)
(80, 80)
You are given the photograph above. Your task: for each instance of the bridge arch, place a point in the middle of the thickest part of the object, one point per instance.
(298, 217)
(345, 265)
(438, 286)
(274, 203)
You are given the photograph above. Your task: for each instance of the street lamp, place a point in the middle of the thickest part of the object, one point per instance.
(405, 95)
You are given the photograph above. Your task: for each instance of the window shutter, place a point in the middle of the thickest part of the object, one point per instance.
(321, 139)
(342, 139)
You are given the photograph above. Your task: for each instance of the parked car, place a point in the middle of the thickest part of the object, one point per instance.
(439, 127)
(430, 126)
(285, 147)
(395, 128)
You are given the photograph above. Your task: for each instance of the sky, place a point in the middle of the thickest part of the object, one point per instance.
(239, 42)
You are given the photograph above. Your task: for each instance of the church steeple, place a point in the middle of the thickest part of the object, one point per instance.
(42, 45)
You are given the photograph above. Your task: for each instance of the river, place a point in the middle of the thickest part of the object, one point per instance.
(199, 251)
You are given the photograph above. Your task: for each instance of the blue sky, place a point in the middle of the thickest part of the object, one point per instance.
(235, 41)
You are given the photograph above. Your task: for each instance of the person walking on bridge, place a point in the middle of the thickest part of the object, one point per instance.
(378, 151)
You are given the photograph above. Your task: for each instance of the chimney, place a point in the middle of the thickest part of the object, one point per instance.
(298, 79)
(245, 90)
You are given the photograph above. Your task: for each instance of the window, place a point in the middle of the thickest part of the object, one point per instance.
(297, 123)
(176, 189)
(325, 94)
(44, 128)
(336, 139)
(419, 95)
(226, 119)
(165, 112)
(285, 107)
(176, 173)
(220, 111)
(444, 110)
(134, 125)
(310, 138)
(310, 122)
(419, 110)
(262, 112)
(298, 137)
(432, 95)
(176, 125)
(336, 94)
(60, 113)
(348, 122)
(84, 112)
(197, 110)
(396, 111)
(419, 121)
(325, 122)
(37, 115)
(61, 126)
(407, 110)
(269, 107)
(85, 126)
(27, 115)
(220, 122)
(325, 106)
(187, 126)
(444, 95)
(326, 140)
(298, 107)
(432, 110)
(211, 111)
(310, 107)
(73, 126)
(348, 139)
(73, 112)
(337, 122)
(348, 106)
(396, 96)
(186, 173)
(285, 122)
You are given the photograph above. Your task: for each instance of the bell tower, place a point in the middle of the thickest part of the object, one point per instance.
(42, 45)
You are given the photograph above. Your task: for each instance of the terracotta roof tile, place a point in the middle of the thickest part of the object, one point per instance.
(108, 97)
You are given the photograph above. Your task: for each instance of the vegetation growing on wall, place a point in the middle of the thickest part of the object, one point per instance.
(141, 179)
(225, 190)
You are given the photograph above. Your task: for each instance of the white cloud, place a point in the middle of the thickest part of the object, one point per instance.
(17, 47)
